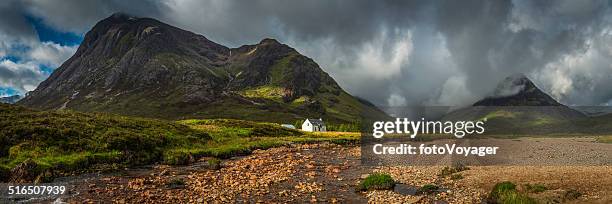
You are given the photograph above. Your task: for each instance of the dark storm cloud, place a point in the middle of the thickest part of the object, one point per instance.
(21, 52)
(12, 23)
(400, 52)
(79, 16)
(459, 50)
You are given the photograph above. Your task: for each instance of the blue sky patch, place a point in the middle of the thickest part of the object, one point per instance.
(46, 69)
(47, 33)
(11, 58)
(8, 91)
(17, 52)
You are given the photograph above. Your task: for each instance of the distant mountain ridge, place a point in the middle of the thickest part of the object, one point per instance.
(10, 99)
(517, 90)
(143, 67)
(517, 106)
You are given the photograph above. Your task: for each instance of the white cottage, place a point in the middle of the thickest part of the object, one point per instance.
(314, 125)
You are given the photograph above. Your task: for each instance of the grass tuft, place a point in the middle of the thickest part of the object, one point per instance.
(427, 189)
(535, 188)
(177, 157)
(449, 170)
(376, 181)
(506, 193)
(214, 163)
(604, 139)
(456, 177)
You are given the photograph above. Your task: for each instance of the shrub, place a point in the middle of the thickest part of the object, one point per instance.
(449, 170)
(428, 188)
(268, 130)
(456, 176)
(516, 198)
(506, 193)
(343, 127)
(214, 163)
(177, 158)
(201, 136)
(125, 140)
(500, 188)
(376, 181)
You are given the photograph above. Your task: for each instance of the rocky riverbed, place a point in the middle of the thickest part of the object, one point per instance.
(328, 173)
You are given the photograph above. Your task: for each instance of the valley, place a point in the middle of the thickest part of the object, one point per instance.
(328, 172)
(224, 160)
(41, 145)
(145, 112)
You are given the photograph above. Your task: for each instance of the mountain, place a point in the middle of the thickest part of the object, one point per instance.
(517, 90)
(143, 67)
(10, 99)
(593, 111)
(518, 106)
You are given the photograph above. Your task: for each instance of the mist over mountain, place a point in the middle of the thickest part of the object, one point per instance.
(517, 90)
(516, 105)
(141, 66)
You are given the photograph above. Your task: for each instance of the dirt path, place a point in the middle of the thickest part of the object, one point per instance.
(328, 173)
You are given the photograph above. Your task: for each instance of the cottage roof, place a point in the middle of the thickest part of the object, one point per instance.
(317, 122)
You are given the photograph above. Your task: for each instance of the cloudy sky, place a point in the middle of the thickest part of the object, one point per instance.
(389, 52)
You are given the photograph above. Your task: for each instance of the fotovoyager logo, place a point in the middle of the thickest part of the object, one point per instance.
(428, 150)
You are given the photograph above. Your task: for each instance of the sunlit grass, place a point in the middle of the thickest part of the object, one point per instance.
(69, 140)
(605, 139)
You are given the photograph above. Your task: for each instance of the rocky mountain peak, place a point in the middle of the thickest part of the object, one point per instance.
(517, 90)
(269, 41)
(512, 85)
(141, 66)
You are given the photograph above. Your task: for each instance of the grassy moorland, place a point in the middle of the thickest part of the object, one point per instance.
(68, 141)
(605, 139)
(234, 137)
